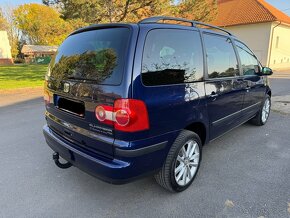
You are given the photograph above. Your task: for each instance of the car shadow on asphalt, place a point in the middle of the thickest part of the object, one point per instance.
(19, 102)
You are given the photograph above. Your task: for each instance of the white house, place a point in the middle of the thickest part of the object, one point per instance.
(265, 29)
(5, 49)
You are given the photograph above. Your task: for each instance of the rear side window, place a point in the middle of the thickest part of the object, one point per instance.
(96, 55)
(172, 57)
(249, 61)
(221, 57)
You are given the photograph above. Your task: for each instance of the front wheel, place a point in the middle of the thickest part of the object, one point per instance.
(263, 114)
(182, 163)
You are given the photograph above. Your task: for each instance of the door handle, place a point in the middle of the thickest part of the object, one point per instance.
(213, 95)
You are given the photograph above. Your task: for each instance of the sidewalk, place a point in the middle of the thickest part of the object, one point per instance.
(281, 104)
(8, 97)
(282, 74)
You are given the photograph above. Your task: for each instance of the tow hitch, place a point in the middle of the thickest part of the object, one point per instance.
(55, 157)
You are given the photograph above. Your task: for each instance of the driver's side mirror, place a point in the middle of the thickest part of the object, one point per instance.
(266, 71)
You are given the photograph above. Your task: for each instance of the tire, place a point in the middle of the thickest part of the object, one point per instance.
(259, 119)
(167, 177)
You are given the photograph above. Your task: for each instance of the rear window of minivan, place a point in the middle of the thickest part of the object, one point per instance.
(95, 55)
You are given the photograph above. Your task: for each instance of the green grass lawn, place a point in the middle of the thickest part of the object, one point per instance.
(21, 76)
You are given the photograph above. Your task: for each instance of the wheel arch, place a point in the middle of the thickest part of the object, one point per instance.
(268, 91)
(200, 129)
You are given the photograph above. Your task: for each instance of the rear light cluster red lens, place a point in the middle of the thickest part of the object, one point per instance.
(128, 115)
(122, 117)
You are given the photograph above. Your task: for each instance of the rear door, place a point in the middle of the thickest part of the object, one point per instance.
(89, 69)
(254, 85)
(171, 80)
(223, 86)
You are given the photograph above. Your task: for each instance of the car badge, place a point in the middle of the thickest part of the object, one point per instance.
(66, 87)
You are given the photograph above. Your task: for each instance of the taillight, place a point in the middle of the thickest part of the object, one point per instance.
(128, 115)
(46, 98)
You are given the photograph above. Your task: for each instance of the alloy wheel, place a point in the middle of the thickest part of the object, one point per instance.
(266, 110)
(186, 163)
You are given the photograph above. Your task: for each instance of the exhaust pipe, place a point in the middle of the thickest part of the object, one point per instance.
(55, 157)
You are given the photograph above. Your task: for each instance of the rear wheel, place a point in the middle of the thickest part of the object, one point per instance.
(182, 163)
(262, 116)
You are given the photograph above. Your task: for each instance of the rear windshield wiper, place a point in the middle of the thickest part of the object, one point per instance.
(79, 78)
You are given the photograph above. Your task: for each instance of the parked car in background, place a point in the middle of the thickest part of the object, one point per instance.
(129, 100)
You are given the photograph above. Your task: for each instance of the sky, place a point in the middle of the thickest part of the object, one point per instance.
(283, 5)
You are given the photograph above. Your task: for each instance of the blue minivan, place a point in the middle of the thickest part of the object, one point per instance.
(125, 101)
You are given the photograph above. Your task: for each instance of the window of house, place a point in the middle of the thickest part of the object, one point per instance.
(277, 42)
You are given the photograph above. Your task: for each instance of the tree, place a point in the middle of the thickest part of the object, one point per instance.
(100, 11)
(199, 10)
(41, 25)
(3, 21)
(50, 2)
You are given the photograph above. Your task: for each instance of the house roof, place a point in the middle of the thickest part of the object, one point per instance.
(237, 12)
(38, 49)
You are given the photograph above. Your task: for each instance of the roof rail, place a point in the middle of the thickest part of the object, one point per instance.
(193, 23)
(156, 19)
(212, 26)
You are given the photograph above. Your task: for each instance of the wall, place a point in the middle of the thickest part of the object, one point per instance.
(5, 49)
(280, 51)
(256, 37)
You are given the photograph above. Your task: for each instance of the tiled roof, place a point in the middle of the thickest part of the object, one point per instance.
(38, 48)
(237, 12)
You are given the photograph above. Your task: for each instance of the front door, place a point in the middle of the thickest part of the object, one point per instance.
(254, 85)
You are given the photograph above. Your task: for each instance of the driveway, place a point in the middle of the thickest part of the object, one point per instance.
(245, 173)
(8, 97)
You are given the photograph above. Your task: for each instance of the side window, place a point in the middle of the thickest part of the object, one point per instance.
(172, 57)
(221, 57)
(248, 60)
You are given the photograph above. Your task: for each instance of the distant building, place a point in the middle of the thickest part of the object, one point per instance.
(38, 53)
(265, 29)
(5, 49)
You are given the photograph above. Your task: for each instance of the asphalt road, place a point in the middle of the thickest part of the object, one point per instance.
(280, 86)
(245, 173)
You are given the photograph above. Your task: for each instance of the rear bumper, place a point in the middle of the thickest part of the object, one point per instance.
(130, 165)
